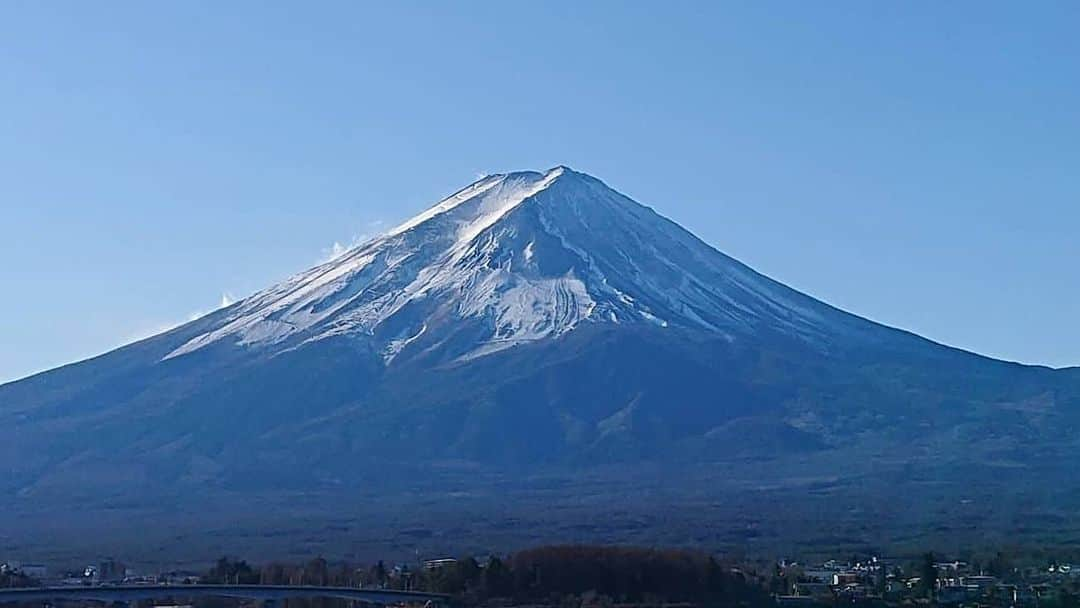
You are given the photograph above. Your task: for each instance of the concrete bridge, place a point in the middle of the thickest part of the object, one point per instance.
(271, 595)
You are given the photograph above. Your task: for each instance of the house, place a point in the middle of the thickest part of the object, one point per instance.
(819, 575)
(949, 573)
(854, 590)
(839, 579)
(980, 582)
(820, 592)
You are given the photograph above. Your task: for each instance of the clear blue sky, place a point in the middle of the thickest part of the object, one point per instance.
(917, 163)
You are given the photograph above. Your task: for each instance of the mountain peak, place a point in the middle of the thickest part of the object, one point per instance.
(484, 201)
(561, 170)
(555, 172)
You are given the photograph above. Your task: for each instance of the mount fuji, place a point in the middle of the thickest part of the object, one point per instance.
(536, 335)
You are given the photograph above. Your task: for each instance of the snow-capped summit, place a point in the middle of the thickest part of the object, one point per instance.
(524, 255)
(516, 257)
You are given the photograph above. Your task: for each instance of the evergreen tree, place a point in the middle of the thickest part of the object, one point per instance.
(928, 574)
(379, 575)
(497, 578)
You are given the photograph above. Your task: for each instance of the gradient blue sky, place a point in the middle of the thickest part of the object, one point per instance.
(917, 163)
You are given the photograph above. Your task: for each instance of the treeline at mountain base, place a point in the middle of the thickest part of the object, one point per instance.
(555, 575)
